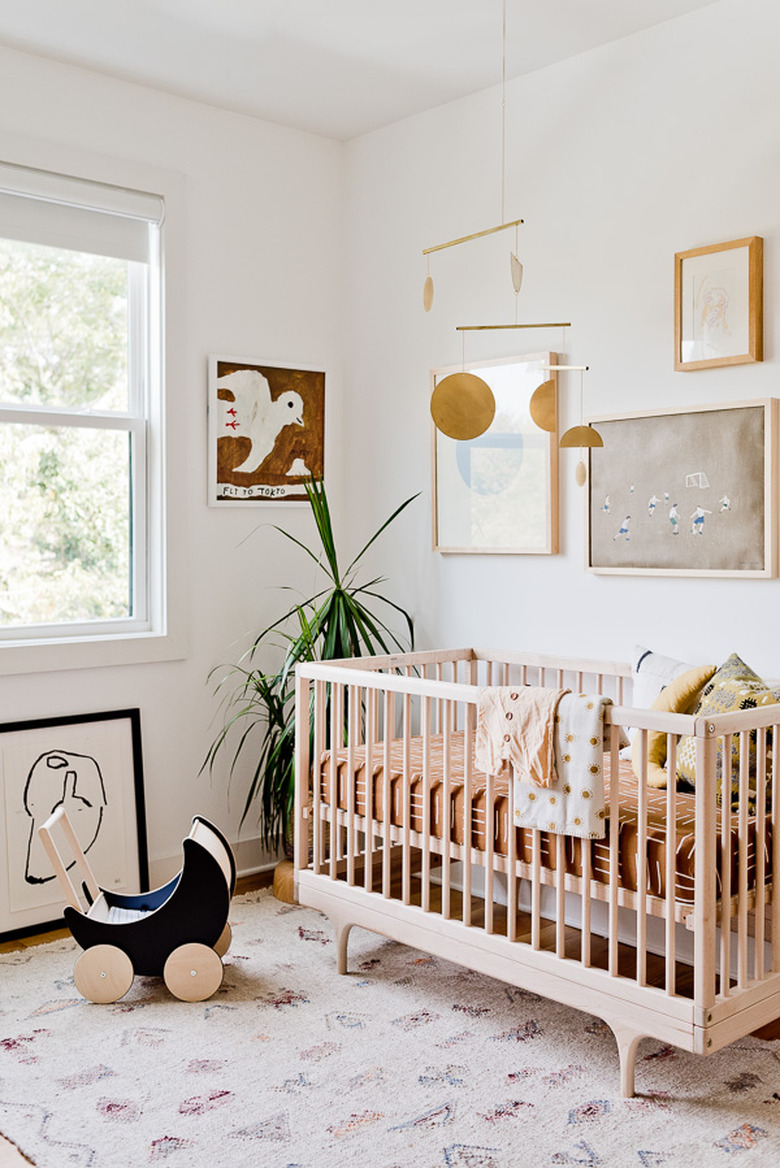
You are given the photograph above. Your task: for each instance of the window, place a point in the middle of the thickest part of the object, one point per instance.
(80, 401)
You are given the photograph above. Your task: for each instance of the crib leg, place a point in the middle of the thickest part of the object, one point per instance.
(628, 1040)
(342, 931)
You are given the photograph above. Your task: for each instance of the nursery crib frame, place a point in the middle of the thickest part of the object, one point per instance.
(359, 867)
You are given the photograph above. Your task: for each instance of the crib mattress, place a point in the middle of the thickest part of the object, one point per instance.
(658, 839)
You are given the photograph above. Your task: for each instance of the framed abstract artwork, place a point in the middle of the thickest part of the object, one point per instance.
(498, 493)
(718, 304)
(685, 492)
(266, 431)
(91, 765)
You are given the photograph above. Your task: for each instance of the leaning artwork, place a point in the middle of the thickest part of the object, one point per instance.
(685, 492)
(266, 431)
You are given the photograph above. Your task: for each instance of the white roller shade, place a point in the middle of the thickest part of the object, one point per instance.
(56, 210)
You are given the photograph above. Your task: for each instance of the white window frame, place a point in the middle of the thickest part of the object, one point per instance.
(157, 629)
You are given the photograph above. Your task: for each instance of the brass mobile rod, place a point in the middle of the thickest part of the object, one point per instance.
(476, 235)
(470, 328)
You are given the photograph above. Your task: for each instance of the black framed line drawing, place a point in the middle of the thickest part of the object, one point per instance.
(684, 492)
(266, 431)
(90, 764)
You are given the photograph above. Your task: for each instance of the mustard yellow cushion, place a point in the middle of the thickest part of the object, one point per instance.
(679, 697)
(735, 686)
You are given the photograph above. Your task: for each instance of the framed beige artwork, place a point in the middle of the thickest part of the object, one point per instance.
(718, 304)
(498, 493)
(266, 431)
(688, 492)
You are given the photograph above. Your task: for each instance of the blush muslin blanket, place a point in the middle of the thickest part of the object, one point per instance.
(574, 803)
(516, 725)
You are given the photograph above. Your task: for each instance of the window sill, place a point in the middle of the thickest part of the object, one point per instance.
(89, 652)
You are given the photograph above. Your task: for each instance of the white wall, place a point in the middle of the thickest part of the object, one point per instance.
(616, 160)
(262, 256)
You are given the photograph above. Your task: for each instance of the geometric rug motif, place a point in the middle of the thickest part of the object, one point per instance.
(408, 1061)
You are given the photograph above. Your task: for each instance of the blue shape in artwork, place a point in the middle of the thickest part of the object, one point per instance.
(502, 470)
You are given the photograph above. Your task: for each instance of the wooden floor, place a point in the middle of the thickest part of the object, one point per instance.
(10, 1156)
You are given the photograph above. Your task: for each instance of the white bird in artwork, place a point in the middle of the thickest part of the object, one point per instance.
(253, 414)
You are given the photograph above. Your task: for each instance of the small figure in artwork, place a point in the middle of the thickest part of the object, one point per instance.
(725, 503)
(674, 519)
(697, 518)
(623, 531)
(652, 504)
(605, 505)
(61, 778)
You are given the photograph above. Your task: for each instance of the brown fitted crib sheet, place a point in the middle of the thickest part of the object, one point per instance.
(657, 840)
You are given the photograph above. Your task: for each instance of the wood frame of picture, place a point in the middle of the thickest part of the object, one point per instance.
(91, 765)
(266, 431)
(498, 494)
(685, 492)
(718, 304)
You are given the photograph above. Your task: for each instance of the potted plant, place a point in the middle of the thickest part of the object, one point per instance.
(339, 620)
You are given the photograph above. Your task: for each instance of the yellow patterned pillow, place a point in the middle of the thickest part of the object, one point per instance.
(735, 686)
(678, 697)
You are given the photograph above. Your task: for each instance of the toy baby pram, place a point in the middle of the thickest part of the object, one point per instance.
(178, 931)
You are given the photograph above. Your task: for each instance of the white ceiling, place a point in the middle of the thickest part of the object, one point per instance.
(333, 67)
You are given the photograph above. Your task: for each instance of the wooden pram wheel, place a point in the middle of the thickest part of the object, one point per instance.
(223, 943)
(103, 973)
(193, 972)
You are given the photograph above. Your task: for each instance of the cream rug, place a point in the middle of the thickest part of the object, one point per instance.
(407, 1061)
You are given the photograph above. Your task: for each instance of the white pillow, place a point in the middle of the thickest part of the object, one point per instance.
(650, 673)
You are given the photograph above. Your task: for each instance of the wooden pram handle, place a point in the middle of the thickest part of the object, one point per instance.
(79, 860)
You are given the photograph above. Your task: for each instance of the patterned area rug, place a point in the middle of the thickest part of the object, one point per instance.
(407, 1061)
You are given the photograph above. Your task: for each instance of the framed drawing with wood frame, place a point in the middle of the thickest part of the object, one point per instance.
(91, 765)
(685, 492)
(498, 493)
(718, 304)
(266, 431)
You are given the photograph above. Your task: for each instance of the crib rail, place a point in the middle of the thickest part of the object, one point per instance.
(434, 834)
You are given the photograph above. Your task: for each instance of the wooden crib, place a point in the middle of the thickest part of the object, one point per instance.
(667, 927)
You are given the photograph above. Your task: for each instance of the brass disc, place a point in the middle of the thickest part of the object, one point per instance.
(581, 436)
(543, 407)
(463, 406)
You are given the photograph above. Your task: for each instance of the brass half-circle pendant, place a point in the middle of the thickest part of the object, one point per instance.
(543, 407)
(581, 436)
(463, 406)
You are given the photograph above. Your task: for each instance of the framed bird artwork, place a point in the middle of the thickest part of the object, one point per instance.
(266, 431)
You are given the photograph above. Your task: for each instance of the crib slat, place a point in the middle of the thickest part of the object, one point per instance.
(760, 910)
(406, 854)
(614, 861)
(511, 891)
(352, 730)
(725, 877)
(641, 870)
(560, 895)
(387, 794)
(490, 812)
(587, 872)
(336, 721)
(446, 808)
(704, 879)
(742, 911)
(468, 811)
(318, 842)
(775, 806)
(426, 808)
(536, 868)
(371, 700)
(671, 863)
